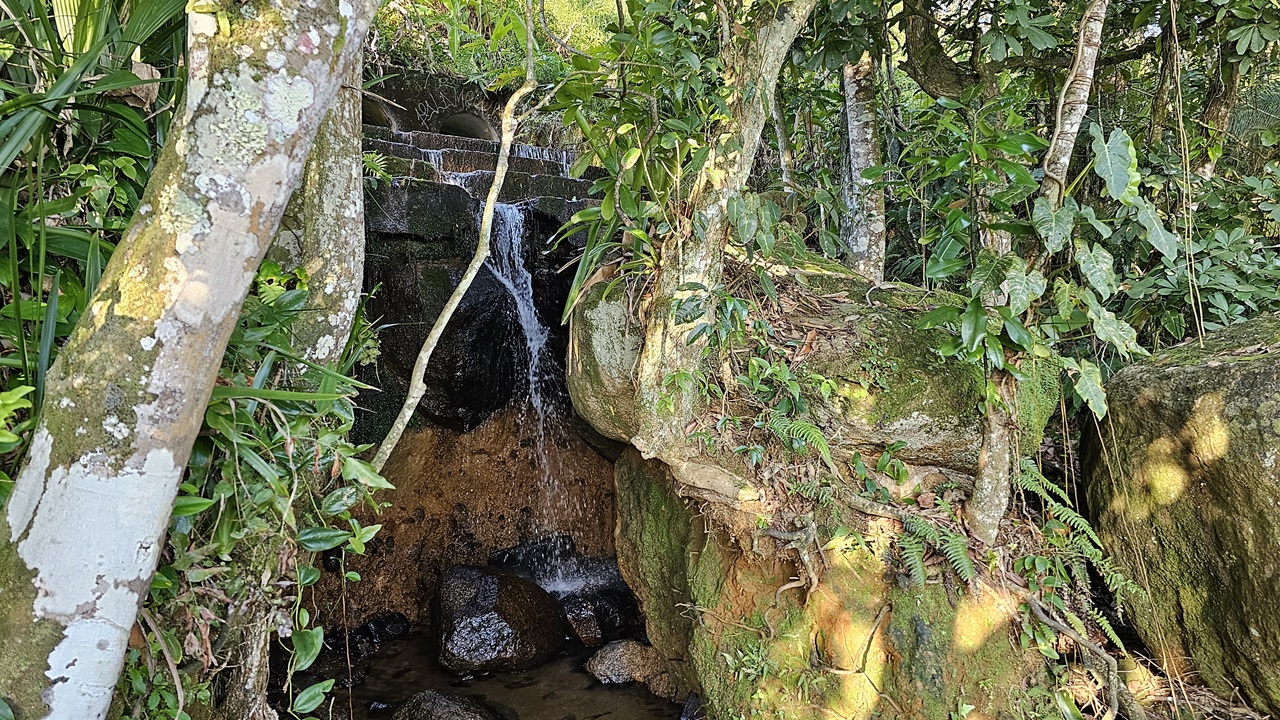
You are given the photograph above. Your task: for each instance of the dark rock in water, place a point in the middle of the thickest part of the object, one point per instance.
(438, 705)
(693, 709)
(631, 661)
(582, 620)
(386, 627)
(492, 620)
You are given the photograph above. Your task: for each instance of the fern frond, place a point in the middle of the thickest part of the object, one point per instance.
(1107, 629)
(924, 529)
(913, 556)
(1076, 623)
(956, 548)
(789, 429)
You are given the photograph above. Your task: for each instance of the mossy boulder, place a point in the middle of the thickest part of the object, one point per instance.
(859, 645)
(890, 382)
(1184, 488)
(604, 349)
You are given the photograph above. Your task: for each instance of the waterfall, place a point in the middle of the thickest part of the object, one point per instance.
(506, 261)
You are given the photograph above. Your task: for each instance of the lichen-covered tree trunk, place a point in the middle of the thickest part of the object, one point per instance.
(82, 530)
(1073, 102)
(323, 229)
(753, 64)
(998, 459)
(862, 227)
(323, 234)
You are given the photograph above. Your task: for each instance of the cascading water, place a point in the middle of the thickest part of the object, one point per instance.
(506, 261)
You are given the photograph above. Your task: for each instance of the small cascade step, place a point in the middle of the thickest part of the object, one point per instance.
(453, 160)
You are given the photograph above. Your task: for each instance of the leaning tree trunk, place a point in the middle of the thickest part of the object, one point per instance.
(697, 257)
(126, 397)
(862, 226)
(322, 234)
(1073, 102)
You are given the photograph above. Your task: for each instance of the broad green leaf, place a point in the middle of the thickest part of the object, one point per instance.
(340, 500)
(1086, 213)
(1087, 380)
(973, 326)
(6, 713)
(1160, 238)
(190, 505)
(1116, 162)
(310, 699)
(306, 647)
(318, 539)
(1097, 267)
(1113, 330)
(1053, 225)
(1024, 287)
(363, 473)
(308, 576)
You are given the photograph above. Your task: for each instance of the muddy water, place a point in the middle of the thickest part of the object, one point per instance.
(558, 690)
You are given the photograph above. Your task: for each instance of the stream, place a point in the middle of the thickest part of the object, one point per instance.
(558, 690)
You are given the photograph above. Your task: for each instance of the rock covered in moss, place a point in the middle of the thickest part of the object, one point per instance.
(1184, 488)
(604, 349)
(744, 655)
(493, 620)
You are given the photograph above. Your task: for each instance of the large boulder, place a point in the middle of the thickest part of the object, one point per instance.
(722, 629)
(438, 705)
(494, 620)
(1184, 489)
(889, 382)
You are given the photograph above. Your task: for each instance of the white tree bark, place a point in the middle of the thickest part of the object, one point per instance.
(82, 532)
(862, 227)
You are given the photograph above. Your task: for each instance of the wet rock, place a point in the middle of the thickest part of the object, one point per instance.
(693, 709)
(439, 705)
(631, 661)
(386, 627)
(493, 620)
(582, 620)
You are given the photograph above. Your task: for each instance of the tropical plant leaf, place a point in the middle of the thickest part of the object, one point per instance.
(1097, 266)
(1116, 162)
(1088, 384)
(1024, 287)
(1156, 234)
(1054, 226)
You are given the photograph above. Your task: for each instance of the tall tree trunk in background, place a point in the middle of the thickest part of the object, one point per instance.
(1160, 99)
(862, 226)
(752, 63)
(997, 460)
(785, 159)
(323, 234)
(1215, 119)
(126, 397)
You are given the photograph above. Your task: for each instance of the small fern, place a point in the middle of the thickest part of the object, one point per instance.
(790, 430)
(1107, 629)
(956, 547)
(913, 556)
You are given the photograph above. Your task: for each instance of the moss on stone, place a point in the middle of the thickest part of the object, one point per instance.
(1183, 489)
(605, 348)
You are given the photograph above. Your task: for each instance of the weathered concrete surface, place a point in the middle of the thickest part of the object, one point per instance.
(1184, 488)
